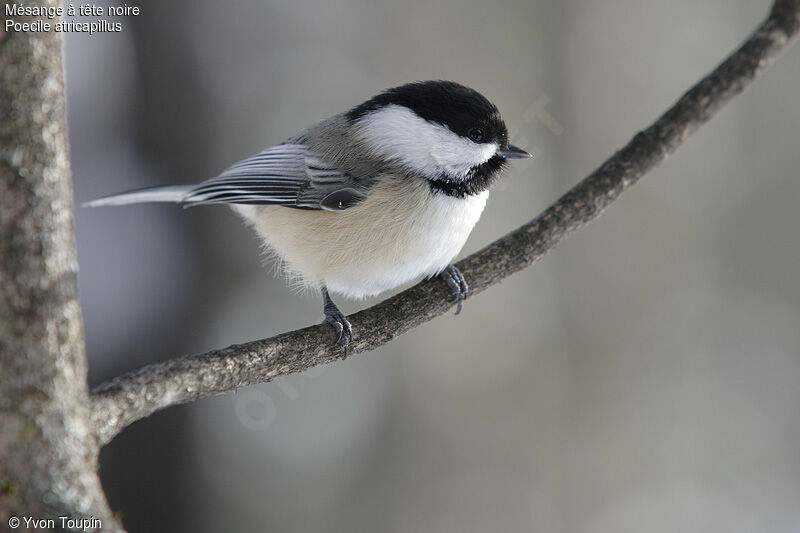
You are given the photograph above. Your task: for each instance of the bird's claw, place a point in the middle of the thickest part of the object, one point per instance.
(458, 285)
(343, 328)
(336, 318)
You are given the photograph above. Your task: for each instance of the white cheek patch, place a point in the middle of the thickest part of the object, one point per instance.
(398, 134)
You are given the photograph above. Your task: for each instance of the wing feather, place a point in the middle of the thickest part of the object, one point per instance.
(286, 174)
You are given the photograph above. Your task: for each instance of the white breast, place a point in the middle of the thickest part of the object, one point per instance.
(400, 233)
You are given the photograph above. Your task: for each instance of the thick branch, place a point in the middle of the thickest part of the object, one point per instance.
(48, 451)
(128, 398)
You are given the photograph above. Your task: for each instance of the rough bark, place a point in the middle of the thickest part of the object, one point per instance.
(138, 394)
(48, 452)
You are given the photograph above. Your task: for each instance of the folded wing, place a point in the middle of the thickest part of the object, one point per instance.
(286, 174)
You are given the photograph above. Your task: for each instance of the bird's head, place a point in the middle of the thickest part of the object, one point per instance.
(446, 133)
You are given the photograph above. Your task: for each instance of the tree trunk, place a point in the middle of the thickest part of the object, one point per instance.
(48, 457)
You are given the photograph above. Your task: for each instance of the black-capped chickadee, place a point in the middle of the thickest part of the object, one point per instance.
(370, 199)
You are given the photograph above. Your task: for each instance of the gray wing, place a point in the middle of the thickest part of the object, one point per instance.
(286, 174)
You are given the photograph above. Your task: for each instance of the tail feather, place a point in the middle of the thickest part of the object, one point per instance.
(171, 193)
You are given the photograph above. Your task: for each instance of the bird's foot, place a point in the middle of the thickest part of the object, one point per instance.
(336, 318)
(458, 285)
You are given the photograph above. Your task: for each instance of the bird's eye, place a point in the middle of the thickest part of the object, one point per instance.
(476, 134)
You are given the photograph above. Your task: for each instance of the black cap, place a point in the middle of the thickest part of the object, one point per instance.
(459, 108)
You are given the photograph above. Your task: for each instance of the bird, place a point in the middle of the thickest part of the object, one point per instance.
(380, 195)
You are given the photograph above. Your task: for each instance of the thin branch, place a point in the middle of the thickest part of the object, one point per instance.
(128, 398)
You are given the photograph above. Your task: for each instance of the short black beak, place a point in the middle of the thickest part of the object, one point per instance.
(512, 152)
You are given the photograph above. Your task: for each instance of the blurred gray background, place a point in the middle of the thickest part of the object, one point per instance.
(644, 377)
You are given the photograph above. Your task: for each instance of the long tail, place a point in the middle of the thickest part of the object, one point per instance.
(171, 193)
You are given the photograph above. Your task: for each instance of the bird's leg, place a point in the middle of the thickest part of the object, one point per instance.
(455, 280)
(336, 318)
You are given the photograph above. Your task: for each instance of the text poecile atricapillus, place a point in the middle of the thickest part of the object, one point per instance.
(369, 199)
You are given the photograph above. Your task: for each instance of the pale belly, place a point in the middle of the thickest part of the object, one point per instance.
(389, 239)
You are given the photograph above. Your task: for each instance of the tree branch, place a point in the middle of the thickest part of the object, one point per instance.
(128, 398)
